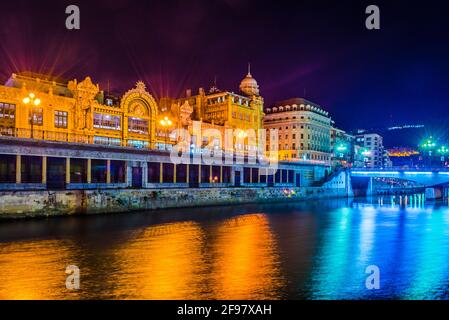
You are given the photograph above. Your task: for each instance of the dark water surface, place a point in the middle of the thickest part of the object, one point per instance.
(306, 250)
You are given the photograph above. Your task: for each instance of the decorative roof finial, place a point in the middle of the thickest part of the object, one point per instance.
(249, 69)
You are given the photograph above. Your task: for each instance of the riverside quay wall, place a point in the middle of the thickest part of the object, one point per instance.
(23, 204)
(43, 178)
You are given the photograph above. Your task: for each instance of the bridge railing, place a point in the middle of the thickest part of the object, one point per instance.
(399, 170)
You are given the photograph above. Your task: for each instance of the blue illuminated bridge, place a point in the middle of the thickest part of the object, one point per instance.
(425, 177)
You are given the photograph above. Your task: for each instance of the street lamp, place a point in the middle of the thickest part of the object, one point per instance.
(33, 102)
(429, 145)
(443, 150)
(341, 148)
(166, 123)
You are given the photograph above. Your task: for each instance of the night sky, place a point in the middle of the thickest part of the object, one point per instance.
(320, 49)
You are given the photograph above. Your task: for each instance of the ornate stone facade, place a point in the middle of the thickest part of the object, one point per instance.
(77, 112)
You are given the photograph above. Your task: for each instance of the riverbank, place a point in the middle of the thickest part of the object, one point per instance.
(30, 204)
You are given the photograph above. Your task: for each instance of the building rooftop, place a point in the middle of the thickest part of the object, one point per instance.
(297, 101)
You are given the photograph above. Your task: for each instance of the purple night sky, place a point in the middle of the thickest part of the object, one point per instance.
(364, 78)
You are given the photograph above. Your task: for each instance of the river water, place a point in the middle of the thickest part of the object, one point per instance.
(304, 250)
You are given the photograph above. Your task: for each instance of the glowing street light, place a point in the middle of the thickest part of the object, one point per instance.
(166, 123)
(33, 101)
(366, 152)
(443, 150)
(342, 148)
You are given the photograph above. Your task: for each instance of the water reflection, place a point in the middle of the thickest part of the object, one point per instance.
(33, 270)
(306, 250)
(234, 258)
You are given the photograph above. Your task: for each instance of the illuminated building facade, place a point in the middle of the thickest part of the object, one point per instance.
(71, 135)
(223, 110)
(375, 155)
(77, 112)
(342, 146)
(304, 130)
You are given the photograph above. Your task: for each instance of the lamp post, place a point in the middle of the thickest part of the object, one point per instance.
(33, 101)
(443, 150)
(166, 123)
(428, 146)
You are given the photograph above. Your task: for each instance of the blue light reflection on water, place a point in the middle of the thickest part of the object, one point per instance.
(409, 242)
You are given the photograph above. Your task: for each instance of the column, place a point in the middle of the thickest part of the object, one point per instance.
(174, 173)
(67, 170)
(89, 170)
(108, 171)
(221, 174)
(129, 174)
(44, 169)
(18, 168)
(188, 173)
(161, 178)
(144, 166)
(211, 175)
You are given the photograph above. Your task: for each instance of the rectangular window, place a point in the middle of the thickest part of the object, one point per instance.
(118, 171)
(31, 169)
(227, 174)
(246, 175)
(205, 174)
(61, 119)
(154, 172)
(99, 171)
(277, 177)
(181, 173)
(255, 175)
(7, 169)
(215, 174)
(78, 170)
(107, 141)
(36, 117)
(168, 172)
(263, 175)
(291, 176)
(284, 176)
(138, 125)
(106, 121)
(138, 144)
(7, 111)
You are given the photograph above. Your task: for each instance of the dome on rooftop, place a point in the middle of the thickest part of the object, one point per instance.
(249, 85)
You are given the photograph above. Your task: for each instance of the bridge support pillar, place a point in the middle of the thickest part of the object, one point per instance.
(370, 189)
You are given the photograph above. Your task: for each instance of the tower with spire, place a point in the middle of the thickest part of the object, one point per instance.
(249, 86)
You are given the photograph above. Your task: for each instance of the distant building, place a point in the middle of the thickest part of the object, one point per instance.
(304, 130)
(342, 146)
(374, 151)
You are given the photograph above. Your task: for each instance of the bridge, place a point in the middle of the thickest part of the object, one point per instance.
(425, 177)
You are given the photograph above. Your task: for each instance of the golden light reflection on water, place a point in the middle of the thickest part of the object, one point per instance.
(163, 262)
(232, 260)
(235, 258)
(34, 270)
(246, 263)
